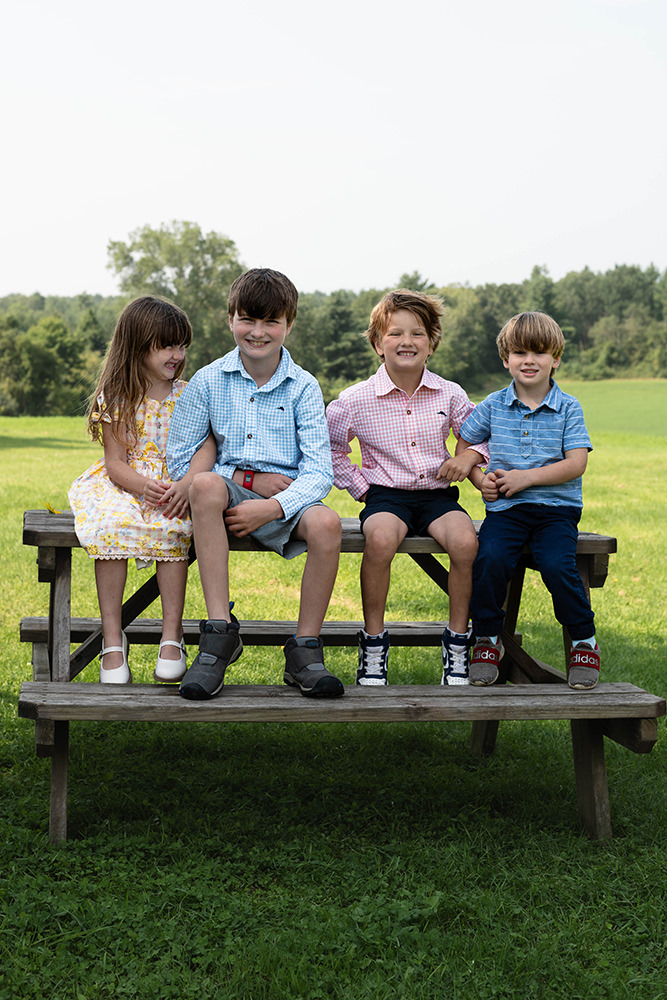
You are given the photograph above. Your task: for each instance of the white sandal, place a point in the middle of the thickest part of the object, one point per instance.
(117, 675)
(171, 671)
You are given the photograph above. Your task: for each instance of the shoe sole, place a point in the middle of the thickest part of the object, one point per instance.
(326, 687)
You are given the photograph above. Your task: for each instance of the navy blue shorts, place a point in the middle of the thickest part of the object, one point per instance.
(417, 508)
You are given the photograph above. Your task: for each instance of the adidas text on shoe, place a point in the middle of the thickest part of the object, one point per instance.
(584, 670)
(373, 660)
(455, 658)
(304, 668)
(485, 661)
(219, 645)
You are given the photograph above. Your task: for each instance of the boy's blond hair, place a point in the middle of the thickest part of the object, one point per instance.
(428, 308)
(531, 331)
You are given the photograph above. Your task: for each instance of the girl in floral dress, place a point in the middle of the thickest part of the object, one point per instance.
(125, 506)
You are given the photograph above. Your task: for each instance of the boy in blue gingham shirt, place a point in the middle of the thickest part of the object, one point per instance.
(273, 468)
(538, 446)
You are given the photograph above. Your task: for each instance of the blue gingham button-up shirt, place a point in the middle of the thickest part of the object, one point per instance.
(277, 427)
(521, 438)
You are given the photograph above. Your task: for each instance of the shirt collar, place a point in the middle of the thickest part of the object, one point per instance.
(286, 369)
(551, 401)
(384, 385)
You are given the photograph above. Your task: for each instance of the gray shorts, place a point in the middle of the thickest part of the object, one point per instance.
(276, 536)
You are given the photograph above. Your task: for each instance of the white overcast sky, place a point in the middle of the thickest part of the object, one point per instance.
(341, 142)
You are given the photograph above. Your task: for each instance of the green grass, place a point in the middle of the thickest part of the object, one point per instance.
(285, 862)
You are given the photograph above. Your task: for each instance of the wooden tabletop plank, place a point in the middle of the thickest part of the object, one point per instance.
(269, 703)
(43, 528)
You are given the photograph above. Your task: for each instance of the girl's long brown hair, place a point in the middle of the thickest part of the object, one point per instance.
(146, 323)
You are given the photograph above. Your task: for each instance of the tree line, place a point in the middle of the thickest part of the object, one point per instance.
(51, 348)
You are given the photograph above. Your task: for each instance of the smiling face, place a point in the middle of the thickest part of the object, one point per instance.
(260, 341)
(405, 345)
(162, 364)
(531, 370)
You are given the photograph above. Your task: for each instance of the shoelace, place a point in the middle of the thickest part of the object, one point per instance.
(373, 660)
(457, 659)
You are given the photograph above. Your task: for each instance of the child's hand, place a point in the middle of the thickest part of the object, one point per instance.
(513, 481)
(267, 484)
(249, 515)
(457, 469)
(175, 500)
(489, 487)
(153, 491)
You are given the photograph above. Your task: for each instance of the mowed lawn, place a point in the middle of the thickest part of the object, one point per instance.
(340, 861)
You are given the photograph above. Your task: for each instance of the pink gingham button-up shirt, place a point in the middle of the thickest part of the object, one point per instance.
(403, 438)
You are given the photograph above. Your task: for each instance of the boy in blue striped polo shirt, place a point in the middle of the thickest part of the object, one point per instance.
(539, 447)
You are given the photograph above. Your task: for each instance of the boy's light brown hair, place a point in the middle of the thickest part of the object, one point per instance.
(263, 294)
(427, 308)
(531, 331)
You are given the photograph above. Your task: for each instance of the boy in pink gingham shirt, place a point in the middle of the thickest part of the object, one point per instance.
(402, 417)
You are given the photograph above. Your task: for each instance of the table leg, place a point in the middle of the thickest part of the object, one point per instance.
(60, 614)
(59, 767)
(590, 773)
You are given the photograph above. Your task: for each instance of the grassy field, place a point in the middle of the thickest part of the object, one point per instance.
(297, 862)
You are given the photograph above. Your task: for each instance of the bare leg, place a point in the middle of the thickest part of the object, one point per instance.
(208, 501)
(172, 578)
(320, 527)
(456, 533)
(110, 577)
(383, 533)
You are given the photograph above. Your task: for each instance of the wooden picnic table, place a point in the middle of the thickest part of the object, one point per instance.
(537, 690)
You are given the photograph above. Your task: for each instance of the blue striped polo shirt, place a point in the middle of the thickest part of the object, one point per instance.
(521, 438)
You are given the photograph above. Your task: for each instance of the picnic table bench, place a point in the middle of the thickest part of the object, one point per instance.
(536, 691)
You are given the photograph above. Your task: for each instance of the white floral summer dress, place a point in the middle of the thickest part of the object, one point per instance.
(113, 523)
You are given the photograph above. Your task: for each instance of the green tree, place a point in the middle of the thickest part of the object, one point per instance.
(538, 292)
(191, 268)
(415, 283)
(346, 355)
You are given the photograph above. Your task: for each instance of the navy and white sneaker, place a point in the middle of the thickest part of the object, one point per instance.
(455, 657)
(373, 659)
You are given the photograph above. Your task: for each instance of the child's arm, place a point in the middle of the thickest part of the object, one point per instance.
(175, 500)
(515, 480)
(483, 480)
(122, 474)
(347, 475)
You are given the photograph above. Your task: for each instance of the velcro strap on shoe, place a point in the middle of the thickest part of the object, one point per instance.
(585, 657)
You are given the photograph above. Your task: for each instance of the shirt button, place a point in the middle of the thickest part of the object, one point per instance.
(422, 476)
(412, 444)
(525, 434)
(408, 412)
(249, 435)
(252, 399)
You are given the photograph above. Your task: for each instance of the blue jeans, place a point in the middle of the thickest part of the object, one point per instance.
(551, 534)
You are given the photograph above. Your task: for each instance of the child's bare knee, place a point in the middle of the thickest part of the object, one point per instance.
(208, 488)
(324, 528)
(381, 545)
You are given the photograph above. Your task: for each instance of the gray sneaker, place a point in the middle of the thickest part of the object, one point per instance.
(219, 645)
(584, 669)
(304, 668)
(485, 661)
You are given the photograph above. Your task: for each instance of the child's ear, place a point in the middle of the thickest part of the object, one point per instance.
(554, 364)
(506, 364)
